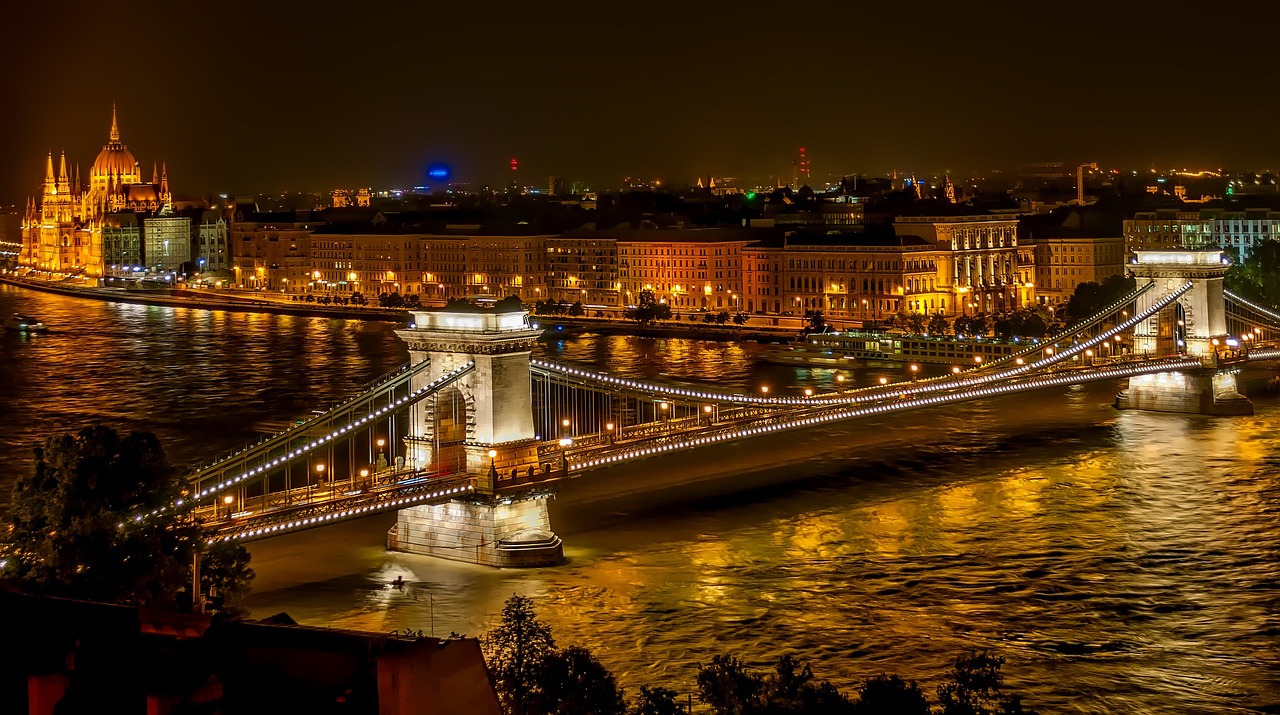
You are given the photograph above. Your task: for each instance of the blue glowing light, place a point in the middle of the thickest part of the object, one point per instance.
(439, 172)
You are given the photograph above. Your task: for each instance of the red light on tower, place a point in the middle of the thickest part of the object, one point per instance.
(804, 166)
(514, 164)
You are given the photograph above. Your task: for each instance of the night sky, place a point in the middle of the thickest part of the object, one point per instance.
(249, 97)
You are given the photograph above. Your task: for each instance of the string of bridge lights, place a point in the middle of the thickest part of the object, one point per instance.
(1253, 306)
(338, 515)
(397, 375)
(417, 394)
(937, 384)
(1100, 374)
(1097, 317)
(307, 448)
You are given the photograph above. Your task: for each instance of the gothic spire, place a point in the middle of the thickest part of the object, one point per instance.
(164, 179)
(62, 168)
(115, 128)
(155, 176)
(48, 169)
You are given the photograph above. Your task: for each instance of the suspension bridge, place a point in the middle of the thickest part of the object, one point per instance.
(468, 440)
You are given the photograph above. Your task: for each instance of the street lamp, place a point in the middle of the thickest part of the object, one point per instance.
(706, 410)
(382, 460)
(884, 381)
(808, 392)
(608, 427)
(319, 473)
(764, 389)
(364, 477)
(228, 500)
(565, 444)
(914, 369)
(493, 465)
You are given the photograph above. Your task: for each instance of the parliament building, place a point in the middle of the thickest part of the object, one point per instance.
(63, 231)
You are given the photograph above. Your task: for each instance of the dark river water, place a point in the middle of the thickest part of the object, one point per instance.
(1121, 562)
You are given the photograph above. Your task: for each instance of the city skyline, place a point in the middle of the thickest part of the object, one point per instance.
(285, 99)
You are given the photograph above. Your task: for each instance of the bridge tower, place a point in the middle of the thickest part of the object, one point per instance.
(1195, 325)
(481, 423)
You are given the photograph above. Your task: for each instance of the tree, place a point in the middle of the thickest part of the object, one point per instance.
(225, 572)
(576, 310)
(740, 318)
(511, 303)
(515, 652)
(657, 701)
(891, 695)
(937, 324)
(1258, 275)
(102, 517)
(976, 687)
(1089, 298)
(729, 687)
(916, 322)
(815, 320)
(573, 682)
(978, 325)
(722, 317)
(792, 689)
(648, 309)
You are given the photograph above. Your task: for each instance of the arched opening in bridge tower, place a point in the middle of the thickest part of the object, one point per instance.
(450, 453)
(1171, 330)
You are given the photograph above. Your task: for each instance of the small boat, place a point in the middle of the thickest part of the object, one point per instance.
(25, 324)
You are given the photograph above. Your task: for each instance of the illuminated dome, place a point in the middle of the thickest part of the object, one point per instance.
(115, 159)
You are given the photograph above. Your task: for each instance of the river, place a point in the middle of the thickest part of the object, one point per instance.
(1121, 562)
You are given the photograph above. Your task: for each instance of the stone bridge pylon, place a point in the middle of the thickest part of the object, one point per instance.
(1195, 325)
(481, 423)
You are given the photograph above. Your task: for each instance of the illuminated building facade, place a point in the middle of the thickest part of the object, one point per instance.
(1234, 230)
(166, 242)
(272, 251)
(851, 276)
(690, 269)
(583, 268)
(63, 232)
(122, 243)
(213, 252)
(984, 268)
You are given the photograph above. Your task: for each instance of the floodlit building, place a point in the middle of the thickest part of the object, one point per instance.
(63, 231)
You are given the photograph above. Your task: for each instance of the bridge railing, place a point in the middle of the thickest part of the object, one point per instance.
(284, 441)
(778, 422)
(320, 513)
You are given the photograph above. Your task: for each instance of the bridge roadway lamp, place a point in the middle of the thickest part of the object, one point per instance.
(228, 500)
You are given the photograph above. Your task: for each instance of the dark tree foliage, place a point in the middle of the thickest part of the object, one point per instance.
(1021, 323)
(657, 701)
(572, 682)
(891, 695)
(102, 517)
(509, 304)
(975, 686)
(792, 689)
(1258, 275)
(915, 322)
(938, 324)
(649, 309)
(740, 318)
(1089, 298)
(729, 687)
(815, 321)
(515, 652)
(576, 309)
